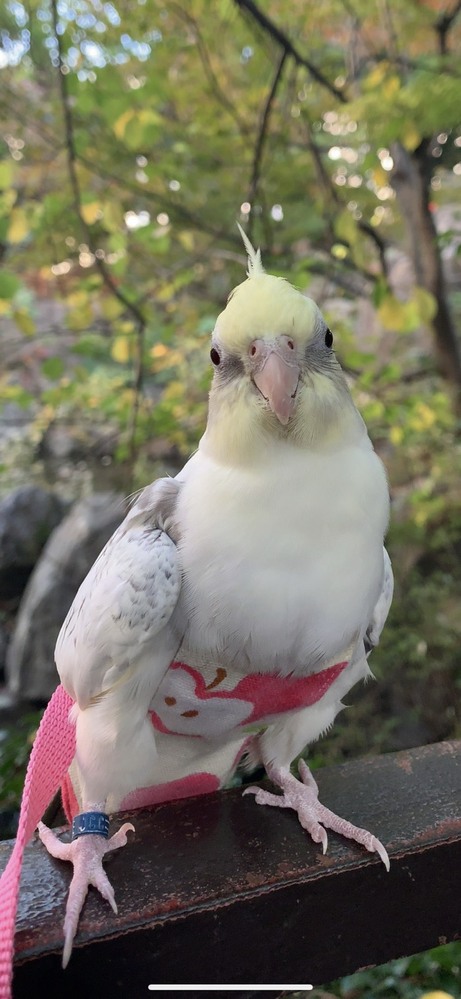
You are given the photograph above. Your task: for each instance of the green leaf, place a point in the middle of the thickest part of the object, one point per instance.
(92, 345)
(53, 367)
(6, 174)
(9, 284)
(345, 227)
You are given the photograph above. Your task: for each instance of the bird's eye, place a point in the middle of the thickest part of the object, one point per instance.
(328, 338)
(215, 356)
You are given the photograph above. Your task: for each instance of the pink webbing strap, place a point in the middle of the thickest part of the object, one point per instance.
(51, 756)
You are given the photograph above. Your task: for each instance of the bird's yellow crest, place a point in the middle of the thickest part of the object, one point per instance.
(255, 266)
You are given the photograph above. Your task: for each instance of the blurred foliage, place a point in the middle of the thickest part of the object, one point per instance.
(15, 748)
(433, 975)
(131, 145)
(133, 137)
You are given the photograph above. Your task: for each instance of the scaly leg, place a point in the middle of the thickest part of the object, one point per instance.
(303, 798)
(86, 854)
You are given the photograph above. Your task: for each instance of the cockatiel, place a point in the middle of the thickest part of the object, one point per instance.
(237, 603)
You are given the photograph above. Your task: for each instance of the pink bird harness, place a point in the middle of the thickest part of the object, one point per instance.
(199, 704)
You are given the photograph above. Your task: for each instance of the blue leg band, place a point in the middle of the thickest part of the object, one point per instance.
(90, 823)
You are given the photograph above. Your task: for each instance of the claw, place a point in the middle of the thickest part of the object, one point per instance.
(86, 854)
(381, 851)
(302, 796)
(67, 949)
(265, 797)
(54, 845)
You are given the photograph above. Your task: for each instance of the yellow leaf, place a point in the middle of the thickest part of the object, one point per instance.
(149, 117)
(119, 126)
(5, 306)
(80, 318)
(111, 308)
(420, 517)
(166, 292)
(174, 390)
(411, 138)
(168, 359)
(18, 227)
(411, 316)
(7, 200)
(187, 240)
(159, 350)
(392, 313)
(339, 251)
(113, 216)
(391, 86)
(376, 77)
(437, 994)
(396, 435)
(380, 177)
(423, 418)
(426, 304)
(24, 320)
(121, 349)
(91, 212)
(77, 299)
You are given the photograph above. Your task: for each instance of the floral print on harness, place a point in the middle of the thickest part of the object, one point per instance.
(185, 705)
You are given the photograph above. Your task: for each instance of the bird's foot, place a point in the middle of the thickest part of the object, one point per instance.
(303, 797)
(86, 854)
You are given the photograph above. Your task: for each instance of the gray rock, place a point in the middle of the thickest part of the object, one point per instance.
(4, 641)
(63, 565)
(28, 515)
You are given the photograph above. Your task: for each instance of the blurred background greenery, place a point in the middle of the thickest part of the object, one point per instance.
(133, 136)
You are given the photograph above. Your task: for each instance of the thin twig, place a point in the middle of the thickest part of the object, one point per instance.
(389, 25)
(208, 68)
(332, 194)
(262, 136)
(130, 306)
(174, 209)
(287, 45)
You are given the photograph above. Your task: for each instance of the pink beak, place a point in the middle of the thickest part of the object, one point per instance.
(277, 376)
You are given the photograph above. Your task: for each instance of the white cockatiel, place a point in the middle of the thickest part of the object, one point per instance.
(237, 603)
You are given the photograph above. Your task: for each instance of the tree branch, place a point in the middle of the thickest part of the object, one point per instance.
(262, 136)
(443, 26)
(282, 40)
(131, 307)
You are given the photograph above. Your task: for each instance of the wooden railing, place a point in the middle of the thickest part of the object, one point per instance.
(220, 890)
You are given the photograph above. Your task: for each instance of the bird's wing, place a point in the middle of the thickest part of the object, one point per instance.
(381, 608)
(119, 625)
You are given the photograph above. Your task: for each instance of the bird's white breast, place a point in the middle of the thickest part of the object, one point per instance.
(282, 563)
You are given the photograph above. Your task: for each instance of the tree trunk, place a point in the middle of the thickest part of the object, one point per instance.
(411, 181)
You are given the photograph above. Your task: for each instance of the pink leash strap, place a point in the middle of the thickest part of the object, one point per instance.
(51, 756)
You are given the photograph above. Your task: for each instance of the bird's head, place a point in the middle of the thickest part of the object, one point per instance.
(275, 371)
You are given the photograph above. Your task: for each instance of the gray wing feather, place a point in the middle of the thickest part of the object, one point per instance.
(119, 622)
(381, 609)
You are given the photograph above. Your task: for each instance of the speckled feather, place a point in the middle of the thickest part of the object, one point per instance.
(125, 603)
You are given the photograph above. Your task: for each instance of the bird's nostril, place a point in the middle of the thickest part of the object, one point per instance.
(290, 344)
(252, 350)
